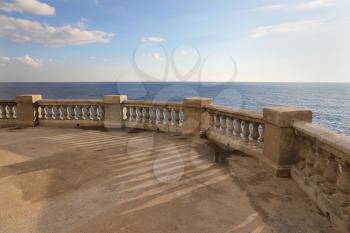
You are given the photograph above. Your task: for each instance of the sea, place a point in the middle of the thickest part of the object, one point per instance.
(330, 102)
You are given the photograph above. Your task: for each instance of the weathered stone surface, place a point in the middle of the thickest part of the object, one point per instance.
(286, 116)
(26, 113)
(114, 110)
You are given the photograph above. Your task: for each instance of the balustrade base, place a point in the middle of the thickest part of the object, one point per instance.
(324, 202)
(71, 123)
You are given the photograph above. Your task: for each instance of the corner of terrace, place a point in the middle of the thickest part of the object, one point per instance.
(106, 165)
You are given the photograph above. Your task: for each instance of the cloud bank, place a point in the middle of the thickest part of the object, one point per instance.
(28, 31)
(300, 6)
(27, 6)
(25, 60)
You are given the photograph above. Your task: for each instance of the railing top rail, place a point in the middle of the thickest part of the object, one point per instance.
(70, 102)
(7, 101)
(330, 141)
(149, 103)
(242, 114)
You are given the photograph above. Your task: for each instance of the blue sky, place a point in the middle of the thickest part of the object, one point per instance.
(223, 40)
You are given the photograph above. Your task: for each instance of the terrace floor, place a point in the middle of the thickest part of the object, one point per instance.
(76, 180)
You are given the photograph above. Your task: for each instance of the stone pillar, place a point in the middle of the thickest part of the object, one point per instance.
(26, 110)
(279, 136)
(197, 120)
(113, 111)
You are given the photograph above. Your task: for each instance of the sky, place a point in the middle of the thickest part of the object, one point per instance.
(174, 40)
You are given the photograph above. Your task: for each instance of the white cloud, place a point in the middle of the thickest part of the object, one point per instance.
(301, 6)
(152, 39)
(156, 56)
(28, 6)
(296, 26)
(25, 60)
(28, 31)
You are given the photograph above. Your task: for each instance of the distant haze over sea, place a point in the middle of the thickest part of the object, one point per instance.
(330, 102)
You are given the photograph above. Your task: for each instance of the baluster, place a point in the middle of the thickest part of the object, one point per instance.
(169, 113)
(77, 112)
(131, 114)
(40, 112)
(237, 127)
(229, 126)
(159, 116)
(137, 114)
(61, 113)
(47, 113)
(253, 132)
(84, 113)
(261, 134)
(176, 119)
(222, 124)
(100, 113)
(211, 120)
(165, 116)
(70, 113)
(144, 115)
(151, 115)
(181, 117)
(217, 122)
(14, 111)
(2, 112)
(8, 112)
(54, 113)
(244, 130)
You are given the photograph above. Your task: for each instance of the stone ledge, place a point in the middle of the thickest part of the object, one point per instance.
(286, 116)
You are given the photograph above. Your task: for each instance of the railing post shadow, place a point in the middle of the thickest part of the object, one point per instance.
(26, 110)
(279, 137)
(196, 117)
(114, 111)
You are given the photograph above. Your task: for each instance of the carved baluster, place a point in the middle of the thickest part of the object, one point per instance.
(70, 113)
(144, 115)
(159, 116)
(222, 124)
(217, 122)
(176, 118)
(253, 132)
(8, 112)
(2, 112)
(169, 113)
(181, 117)
(61, 113)
(165, 116)
(211, 120)
(237, 127)
(126, 113)
(100, 113)
(47, 113)
(137, 114)
(54, 113)
(261, 130)
(244, 130)
(229, 126)
(84, 113)
(77, 112)
(131, 114)
(14, 111)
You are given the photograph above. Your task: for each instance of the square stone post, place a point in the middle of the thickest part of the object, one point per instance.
(196, 118)
(113, 111)
(279, 136)
(26, 110)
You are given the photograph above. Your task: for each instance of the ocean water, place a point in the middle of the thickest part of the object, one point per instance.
(330, 102)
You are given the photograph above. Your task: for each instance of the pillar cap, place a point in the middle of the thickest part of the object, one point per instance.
(197, 102)
(114, 99)
(286, 116)
(26, 99)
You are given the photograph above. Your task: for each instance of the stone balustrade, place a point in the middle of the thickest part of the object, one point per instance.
(70, 112)
(8, 109)
(236, 129)
(322, 170)
(282, 137)
(161, 116)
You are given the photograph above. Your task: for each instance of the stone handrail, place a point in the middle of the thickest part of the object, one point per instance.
(151, 115)
(322, 170)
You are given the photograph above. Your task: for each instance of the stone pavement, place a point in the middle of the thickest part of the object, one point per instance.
(78, 180)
